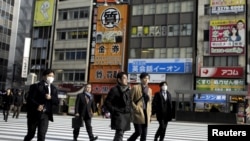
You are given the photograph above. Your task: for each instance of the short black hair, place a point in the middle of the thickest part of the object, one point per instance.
(162, 83)
(120, 74)
(143, 75)
(48, 71)
(240, 21)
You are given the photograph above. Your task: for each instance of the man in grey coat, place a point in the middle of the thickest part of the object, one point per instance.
(119, 103)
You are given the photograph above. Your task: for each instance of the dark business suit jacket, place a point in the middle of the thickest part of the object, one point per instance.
(84, 108)
(161, 107)
(36, 97)
(119, 104)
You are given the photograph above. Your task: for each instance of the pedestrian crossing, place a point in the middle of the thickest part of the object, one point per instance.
(60, 130)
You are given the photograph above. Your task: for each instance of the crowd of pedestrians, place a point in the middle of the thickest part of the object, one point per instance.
(11, 101)
(125, 104)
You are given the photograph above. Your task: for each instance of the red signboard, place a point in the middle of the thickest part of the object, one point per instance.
(222, 72)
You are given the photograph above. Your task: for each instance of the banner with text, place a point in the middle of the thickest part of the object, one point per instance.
(220, 84)
(222, 72)
(227, 6)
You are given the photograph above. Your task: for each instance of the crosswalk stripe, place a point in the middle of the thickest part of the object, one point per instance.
(60, 130)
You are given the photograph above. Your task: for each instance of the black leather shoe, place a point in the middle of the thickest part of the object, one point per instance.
(95, 138)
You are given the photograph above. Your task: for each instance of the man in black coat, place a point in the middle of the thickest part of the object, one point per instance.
(119, 104)
(40, 100)
(84, 108)
(18, 103)
(162, 107)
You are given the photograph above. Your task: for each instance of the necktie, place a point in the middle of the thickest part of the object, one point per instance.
(165, 95)
(49, 90)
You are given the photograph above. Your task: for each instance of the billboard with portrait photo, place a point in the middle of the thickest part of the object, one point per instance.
(227, 37)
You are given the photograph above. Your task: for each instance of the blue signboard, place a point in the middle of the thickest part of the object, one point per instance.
(160, 65)
(210, 98)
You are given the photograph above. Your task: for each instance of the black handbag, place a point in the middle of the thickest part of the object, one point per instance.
(77, 122)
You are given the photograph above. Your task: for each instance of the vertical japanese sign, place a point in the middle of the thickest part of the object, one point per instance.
(109, 44)
(227, 37)
(26, 54)
(110, 34)
(43, 13)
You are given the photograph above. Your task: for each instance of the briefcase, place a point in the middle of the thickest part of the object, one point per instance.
(77, 122)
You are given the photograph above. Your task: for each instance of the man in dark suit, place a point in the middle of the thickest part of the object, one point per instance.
(119, 104)
(84, 108)
(162, 107)
(40, 100)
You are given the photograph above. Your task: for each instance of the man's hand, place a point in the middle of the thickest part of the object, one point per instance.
(77, 114)
(48, 96)
(40, 108)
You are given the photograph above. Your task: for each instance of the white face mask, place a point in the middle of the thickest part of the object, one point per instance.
(164, 87)
(50, 80)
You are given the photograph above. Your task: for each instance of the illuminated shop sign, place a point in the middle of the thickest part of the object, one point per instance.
(209, 98)
(160, 65)
(237, 98)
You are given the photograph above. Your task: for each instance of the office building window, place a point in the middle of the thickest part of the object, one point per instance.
(135, 53)
(147, 53)
(76, 54)
(185, 29)
(161, 8)
(73, 14)
(69, 76)
(61, 35)
(69, 34)
(137, 10)
(206, 35)
(173, 30)
(161, 52)
(215, 61)
(174, 7)
(72, 75)
(149, 9)
(63, 15)
(187, 6)
(207, 9)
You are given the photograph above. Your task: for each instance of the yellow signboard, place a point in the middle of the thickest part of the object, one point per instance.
(43, 13)
(225, 22)
(227, 2)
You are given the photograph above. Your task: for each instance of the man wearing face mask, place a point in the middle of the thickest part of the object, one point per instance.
(40, 100)
(162, 107)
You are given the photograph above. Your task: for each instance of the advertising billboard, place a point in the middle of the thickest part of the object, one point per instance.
(43, 13)
(227, 2)
(220, 84)
(103, 73)
(227, 37)
(110, 35)
(227, 6)
(220, 72)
